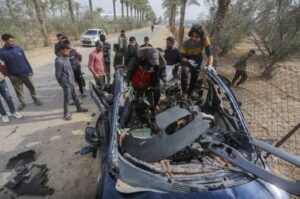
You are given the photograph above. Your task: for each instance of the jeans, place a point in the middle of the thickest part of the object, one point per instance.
(79, 79)
(107, 72)
(4, 91)
(18, 82)
(70, 91)
(189, 78)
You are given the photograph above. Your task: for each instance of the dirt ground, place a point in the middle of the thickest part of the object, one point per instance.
(55, 140)
(271, 107)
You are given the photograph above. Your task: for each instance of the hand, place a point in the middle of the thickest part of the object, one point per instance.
(164, 80)
(210, 68)
(185, 59)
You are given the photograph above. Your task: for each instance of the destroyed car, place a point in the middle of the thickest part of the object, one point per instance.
(199, 149)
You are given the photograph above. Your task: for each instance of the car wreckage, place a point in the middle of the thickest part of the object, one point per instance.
(198, 149)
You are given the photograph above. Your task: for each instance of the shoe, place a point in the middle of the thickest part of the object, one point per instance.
(82, 110)
(68, 116)
(37, 102)
(17, 115)
(83, 95)
(5, 119)
(21, 106)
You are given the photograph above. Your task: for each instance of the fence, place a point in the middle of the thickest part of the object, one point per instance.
(272, 109)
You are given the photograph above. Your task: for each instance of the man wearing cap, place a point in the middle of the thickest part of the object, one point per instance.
(147, 71)
(65, 77)
(240, 68)
(96, 64)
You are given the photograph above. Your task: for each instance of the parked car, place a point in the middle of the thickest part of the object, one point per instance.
(90, 36)
(201, 150)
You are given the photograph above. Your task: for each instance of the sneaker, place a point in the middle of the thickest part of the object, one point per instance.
(17, 115)
(37, 102)
(5, 119)
(21, 106)
(83, 95)
(82, 110)
(68, 116)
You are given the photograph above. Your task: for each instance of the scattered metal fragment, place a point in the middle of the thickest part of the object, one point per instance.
(34, 184)
(23, 158)
(12, 132)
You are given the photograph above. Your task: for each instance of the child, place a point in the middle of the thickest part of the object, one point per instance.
(65, 77)
(4, 91)
(146, 42)
(118, 59)
(75, 60)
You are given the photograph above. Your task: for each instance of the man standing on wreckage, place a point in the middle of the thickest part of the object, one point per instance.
(148, 69)
(192, 55)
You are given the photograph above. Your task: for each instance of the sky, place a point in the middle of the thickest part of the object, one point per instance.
(192, 11)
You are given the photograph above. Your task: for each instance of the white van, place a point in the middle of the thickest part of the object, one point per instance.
(90, 36)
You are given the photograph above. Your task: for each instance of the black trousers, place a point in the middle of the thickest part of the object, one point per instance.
(79, 79)
(189, 78)
(238, 74)
(107, 71)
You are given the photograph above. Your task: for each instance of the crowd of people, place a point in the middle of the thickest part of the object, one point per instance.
(145, 67)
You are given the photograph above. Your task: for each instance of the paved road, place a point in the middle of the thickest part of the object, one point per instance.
(56, 141)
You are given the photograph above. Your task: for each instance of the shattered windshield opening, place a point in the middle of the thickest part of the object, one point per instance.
(164, 144)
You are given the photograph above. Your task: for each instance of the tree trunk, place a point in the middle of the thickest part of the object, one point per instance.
(71, 10)
(122, 8)
(174, 8)
(127, 10)
(181, 23)
(135, 14)
(42, 21)
(131, 10)
(9, 7)
(218, 28)
(114, 6)
(91, 7)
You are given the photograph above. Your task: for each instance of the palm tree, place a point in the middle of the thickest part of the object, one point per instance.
(127, 7)
(184, 3)
(122, 6)
(91, 7)
(71, 10)
(171, 11)
(114, 6)
(41, 18)
(77, 7)
(216, 34)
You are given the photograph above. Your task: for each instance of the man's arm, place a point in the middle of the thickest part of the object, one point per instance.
(79, 56)
(27, 61)
(91, 64)
(58, 70)
(208, 52)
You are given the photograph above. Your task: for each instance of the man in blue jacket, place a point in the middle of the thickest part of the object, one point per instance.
(18, 68)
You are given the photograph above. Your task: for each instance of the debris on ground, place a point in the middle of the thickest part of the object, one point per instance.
(31, 181)
(12, 132)
(28, 179)
(23, 158)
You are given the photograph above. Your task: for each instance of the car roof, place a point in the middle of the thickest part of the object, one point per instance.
(95, 29)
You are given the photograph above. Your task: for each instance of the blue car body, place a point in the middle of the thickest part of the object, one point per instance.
(253, 189)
